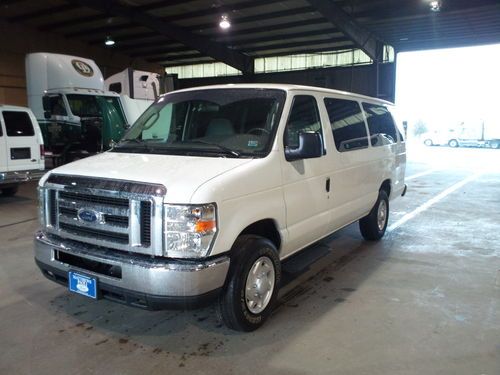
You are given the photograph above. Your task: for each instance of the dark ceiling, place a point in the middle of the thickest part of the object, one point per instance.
(179, 32)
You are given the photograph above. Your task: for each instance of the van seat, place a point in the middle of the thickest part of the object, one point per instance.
(219, 126)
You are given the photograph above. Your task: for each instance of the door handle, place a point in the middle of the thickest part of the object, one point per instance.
(327, 184)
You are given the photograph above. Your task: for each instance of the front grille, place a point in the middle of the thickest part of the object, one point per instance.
(52, 207)
(146, 223)
(89, 264)
(113, 219)
(100, 200)
(121, 221)
(94, 233)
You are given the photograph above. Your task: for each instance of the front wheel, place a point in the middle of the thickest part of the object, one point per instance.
(453, 143)
(373, 225)
(495, 145)
(252, 286)
(428, 142)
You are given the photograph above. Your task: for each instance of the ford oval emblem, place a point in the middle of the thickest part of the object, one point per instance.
(89, 216)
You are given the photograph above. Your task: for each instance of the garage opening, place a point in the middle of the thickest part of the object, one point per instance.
(449, 99)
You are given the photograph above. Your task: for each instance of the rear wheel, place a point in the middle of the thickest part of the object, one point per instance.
(252, 286)
(453, 143)
(373, 226)
(10, 191)
(495, 144)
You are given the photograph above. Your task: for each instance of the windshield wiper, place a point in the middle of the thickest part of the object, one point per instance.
(227, 150)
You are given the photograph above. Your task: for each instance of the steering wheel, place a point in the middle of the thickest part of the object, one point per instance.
(260, 130)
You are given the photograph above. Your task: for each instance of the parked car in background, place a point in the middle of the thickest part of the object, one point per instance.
(21, 148)
(440, 138)
(212, 188)
(472, 135)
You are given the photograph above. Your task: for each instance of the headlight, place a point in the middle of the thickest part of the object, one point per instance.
(189, 230)
(41, 207)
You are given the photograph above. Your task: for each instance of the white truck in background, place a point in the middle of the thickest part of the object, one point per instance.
(137, 88)
(78, 117)
(137, 84)
(479, 134)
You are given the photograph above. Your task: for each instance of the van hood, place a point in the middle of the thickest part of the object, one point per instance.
(181, 175)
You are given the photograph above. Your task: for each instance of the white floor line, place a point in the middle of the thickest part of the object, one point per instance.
(421, 174)
(432, 201)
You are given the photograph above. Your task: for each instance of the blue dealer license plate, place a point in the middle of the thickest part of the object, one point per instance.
(82, 284)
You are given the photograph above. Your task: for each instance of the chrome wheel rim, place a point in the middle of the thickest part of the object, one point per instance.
(381, 215)
(260, 285)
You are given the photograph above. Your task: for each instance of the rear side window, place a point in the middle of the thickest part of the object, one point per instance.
(348, 125)
(304, 117)
(116, 87)
(18, 124)
(380, 124)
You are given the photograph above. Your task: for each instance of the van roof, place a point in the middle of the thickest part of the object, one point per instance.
(15, 107)
(285, 87)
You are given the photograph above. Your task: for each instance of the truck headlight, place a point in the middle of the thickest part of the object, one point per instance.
(41, 207)
(189, 230)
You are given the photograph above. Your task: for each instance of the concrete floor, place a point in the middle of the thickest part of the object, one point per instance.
(424, 300)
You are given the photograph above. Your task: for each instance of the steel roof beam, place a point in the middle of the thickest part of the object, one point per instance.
(363, 38)
(240, 44)
(200, 43)
(335, 42)
(42, 13)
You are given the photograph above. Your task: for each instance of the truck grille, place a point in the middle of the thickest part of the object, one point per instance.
(108, 201)
(115, 219)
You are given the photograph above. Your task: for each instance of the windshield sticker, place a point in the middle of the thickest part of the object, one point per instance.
(253, 143)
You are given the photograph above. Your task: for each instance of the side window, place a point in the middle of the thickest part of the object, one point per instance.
(380, 124)
(1, 132)
(57, 106)
(348, 125)
(116, 87)
(304, 117)
(18, 124)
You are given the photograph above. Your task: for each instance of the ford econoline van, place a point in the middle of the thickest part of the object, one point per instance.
(212, 189)
(21, 148)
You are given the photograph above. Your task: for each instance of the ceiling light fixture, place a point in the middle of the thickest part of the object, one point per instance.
(109, 41)
(435, 5)
(224, 22)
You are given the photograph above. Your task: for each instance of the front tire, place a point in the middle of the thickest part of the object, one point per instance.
(428, 142)
(252, 286)
(373, 226)
(453, 143)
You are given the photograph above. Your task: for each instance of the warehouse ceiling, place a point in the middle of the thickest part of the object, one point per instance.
(180, 32)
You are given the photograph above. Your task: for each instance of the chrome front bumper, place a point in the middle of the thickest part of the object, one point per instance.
(147, 281)
(20, 176)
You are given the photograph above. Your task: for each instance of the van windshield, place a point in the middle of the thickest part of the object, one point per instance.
(214, 122)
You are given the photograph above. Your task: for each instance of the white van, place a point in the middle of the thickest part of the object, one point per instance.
(21, 148)
(212, 188)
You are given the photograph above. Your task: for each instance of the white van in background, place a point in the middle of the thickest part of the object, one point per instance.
(212, 188)
(21, 148)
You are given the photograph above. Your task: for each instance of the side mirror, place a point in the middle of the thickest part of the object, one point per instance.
(46, 107)
(310, 146)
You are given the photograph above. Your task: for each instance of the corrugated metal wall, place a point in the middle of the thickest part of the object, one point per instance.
(359, 79)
